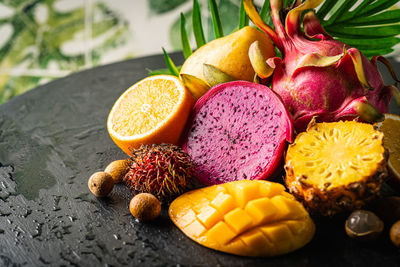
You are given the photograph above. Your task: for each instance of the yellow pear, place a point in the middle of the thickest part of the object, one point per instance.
(229, 54)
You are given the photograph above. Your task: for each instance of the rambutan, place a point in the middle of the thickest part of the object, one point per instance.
(163, 170)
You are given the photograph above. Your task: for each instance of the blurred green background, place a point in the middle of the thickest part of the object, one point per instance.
(41, 40)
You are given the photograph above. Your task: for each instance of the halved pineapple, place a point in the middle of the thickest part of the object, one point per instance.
(336, 166)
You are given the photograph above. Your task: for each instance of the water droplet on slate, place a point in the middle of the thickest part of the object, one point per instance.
(89, 236)
(131, 254)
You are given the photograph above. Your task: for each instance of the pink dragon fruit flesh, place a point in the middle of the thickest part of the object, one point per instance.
(317, 75)
(238, 130)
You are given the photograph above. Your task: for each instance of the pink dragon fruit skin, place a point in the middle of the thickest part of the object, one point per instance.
(238, 130)
(317, 75)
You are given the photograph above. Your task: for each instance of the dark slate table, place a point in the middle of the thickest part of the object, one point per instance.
(54, 137)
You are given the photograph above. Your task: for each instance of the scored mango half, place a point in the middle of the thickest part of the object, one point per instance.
(249, 218)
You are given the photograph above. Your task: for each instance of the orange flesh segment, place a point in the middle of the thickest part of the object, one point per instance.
(249, 218)
(143, 108)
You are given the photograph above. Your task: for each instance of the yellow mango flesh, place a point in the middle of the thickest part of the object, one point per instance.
(248, 218)
(229, 54)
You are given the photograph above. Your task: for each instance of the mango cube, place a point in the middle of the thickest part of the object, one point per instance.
(218, 190)
(221, 233)
(198, 204)
(287, 208)
(243, 192)
(296, 227)
(238, 220)
(280, 235)
(261, 210)
(187, 217)
(271, 190)
(256, 239)
(209, 216)
(195, 229)
(235, 245)
(223, 203)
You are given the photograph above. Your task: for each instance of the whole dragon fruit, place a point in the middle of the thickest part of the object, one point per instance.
(317, 75)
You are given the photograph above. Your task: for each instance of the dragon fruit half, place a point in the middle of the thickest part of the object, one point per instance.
(238, 130)
(317, 75)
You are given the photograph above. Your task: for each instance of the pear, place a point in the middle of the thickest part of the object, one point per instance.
(228, 54)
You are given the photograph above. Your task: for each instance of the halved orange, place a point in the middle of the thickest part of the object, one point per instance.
(391, 141)
(152, 111)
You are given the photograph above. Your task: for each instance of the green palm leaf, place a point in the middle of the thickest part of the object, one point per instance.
(369, 27)
(187, 51)
(218, 32)
(172, 69)
(197, 25)
(264, 13)
(243, 18)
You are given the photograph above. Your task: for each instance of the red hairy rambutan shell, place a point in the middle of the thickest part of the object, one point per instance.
(163, 170)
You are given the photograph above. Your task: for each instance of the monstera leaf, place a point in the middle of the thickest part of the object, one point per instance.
(163, 6)
(36, 42)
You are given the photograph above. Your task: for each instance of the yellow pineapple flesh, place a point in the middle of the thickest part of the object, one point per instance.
(336, 166)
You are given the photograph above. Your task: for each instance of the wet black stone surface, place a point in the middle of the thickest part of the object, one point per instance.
(54, 137)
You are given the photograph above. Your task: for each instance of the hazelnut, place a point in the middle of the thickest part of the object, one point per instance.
(101, 184)
(395, 234)
(145, 207)
(117, 169)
